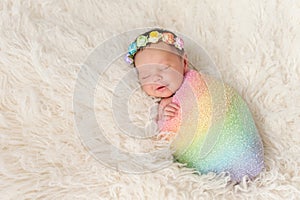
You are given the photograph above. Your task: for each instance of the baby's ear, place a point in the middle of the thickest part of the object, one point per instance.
(185, 63)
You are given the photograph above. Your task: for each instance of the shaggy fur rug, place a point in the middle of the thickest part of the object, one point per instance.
(49, 147)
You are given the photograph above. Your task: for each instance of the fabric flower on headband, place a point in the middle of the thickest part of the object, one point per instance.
(152, 37)
(129, 58)
(132, 48)
(141, 41)
(179, 43)
(168, 38)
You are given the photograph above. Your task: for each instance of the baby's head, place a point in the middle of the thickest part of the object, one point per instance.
(160, 60)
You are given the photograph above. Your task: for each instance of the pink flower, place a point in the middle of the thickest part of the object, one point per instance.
(168, 38)
(179, 43)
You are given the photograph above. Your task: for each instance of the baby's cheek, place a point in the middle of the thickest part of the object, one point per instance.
(176, 76)
(147, 88)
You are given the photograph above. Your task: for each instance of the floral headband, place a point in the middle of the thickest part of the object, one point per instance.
(153, 37)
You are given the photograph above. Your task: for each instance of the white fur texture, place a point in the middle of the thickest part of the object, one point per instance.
(255, 45)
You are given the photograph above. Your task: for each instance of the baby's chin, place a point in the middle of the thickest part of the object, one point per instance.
(162, 95)
(167, 96)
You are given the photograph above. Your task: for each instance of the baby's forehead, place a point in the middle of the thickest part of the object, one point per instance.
(162, 51)
(151, 66)
(157, 54)
(163, 47)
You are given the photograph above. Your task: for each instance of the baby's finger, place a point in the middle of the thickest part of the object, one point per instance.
(174, 105)
(170, 109)
(169, 113)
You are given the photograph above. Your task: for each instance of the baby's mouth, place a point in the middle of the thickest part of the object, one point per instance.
(161, 88)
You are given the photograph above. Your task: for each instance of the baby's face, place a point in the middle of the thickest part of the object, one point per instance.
(160, 71)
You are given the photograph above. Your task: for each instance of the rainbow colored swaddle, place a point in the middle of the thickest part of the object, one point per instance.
(215, 131)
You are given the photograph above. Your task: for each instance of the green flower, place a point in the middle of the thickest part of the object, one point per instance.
(141, 41)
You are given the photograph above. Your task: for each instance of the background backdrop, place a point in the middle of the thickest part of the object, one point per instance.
(254, 44)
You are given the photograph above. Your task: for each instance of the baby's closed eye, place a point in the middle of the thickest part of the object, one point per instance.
(145, 77)
(165, 68)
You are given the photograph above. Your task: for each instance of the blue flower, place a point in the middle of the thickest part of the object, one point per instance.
(132, 48)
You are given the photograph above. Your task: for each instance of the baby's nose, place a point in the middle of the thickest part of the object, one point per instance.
(157, 77)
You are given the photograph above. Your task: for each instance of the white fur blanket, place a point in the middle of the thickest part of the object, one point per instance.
(44, 44)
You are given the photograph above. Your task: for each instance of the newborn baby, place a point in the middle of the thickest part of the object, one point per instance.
(213, 128)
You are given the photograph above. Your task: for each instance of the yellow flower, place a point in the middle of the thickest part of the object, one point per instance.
(154, 36)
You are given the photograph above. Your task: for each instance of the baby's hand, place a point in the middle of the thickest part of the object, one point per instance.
(170, 111)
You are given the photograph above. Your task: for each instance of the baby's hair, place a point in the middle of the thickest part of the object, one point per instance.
(153, 36)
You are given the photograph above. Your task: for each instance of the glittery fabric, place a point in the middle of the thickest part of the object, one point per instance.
(215, 129)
